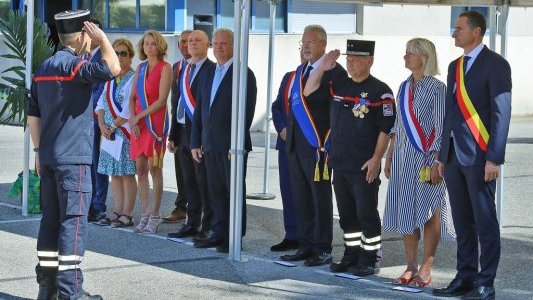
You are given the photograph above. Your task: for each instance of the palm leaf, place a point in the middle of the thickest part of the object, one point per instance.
(13, 89)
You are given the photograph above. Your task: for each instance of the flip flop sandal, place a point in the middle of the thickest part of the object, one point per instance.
(402, 281)
(119, 223)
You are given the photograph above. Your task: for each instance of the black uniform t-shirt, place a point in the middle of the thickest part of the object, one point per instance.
(61, 98)
(353, 139)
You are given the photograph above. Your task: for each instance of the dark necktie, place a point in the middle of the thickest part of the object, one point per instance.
(191, 73)
(306, 75)
(465, 64)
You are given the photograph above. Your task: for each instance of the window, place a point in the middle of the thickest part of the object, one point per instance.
(457, 10)
(5, 6)
(260, 16)
(128, 14)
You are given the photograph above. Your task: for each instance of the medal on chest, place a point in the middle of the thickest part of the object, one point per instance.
(361, 108)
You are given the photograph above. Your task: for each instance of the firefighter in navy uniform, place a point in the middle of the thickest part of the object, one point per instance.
(61, 127)
(361, 116)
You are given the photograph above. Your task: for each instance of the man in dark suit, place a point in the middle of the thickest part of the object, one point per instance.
(180, 211)
(307, 150)
(211, 136)
(279, 117)
(194, 176)
(478, 112)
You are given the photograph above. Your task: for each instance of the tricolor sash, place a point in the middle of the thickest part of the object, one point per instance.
(307, 124)
(114, 106)
(287, 92)
(143, 100)
(474, 122)
(413, 129)
(185, 92)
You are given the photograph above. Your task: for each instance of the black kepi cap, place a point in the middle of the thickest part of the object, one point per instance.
(360, 47)
(71, 21)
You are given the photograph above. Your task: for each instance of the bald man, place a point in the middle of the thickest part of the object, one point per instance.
(194, 175)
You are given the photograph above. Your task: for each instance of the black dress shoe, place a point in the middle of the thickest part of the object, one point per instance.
(299, 255)
(319, 259)
(481, 293)
(363, 270)
(457, 287)
(200, 235)
(185, 231)
(343, 265)
(286, 245)
(209, 242)
(223, 248)
(85, 296)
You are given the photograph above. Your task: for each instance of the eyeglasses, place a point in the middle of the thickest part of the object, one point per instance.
(122, 53)
(307, 43)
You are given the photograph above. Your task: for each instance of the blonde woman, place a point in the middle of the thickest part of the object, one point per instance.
(149, 124)
(113, 115)
(416, 198)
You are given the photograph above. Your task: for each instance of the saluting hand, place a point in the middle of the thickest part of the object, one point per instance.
(330, 60)
(94, 32)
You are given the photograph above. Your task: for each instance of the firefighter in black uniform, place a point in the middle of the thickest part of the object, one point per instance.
(61, 127)
(362, 115)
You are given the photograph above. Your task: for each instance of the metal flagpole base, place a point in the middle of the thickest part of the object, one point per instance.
(260, 196)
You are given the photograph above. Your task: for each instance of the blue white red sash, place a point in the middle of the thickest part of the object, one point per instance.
(187, 97)
(287, 92)
(114, 106)
(143, 100)
(307, 124)
(414, 130)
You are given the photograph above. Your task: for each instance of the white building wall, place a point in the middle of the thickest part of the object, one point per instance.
(392, 27)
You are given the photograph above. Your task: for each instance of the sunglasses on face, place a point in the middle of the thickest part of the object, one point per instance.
(122, 53)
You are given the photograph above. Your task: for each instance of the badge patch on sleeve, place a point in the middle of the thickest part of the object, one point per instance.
(388, 109)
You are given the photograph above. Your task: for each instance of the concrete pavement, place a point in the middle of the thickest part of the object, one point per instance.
(120, 264)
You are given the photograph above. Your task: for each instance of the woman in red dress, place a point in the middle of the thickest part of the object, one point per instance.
(149, 124)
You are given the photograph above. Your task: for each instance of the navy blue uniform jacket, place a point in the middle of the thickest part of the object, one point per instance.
(488, 83)
(211, 128)
(61, 98)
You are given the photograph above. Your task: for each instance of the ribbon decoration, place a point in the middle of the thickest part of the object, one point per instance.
(471, 116)
(186, 94)
(113, 104)
(414, 131)
(143, 100)
(307, 124)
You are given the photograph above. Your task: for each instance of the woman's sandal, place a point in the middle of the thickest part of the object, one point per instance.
(142, 223)
(108, 220)
(404, 280)
(119, 223)
(418, 282)
(153, 224)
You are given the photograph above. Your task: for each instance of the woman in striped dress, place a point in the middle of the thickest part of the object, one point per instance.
(416, 198)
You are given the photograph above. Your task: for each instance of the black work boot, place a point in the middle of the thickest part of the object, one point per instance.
(47, 284)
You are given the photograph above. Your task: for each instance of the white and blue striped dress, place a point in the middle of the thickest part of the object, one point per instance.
(411, 203)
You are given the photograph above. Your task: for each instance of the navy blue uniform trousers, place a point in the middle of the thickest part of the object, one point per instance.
(475, 221)
(100, 182)
(65, 200)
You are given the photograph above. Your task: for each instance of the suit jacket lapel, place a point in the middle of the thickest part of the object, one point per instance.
(227, 76)
(477, 62)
